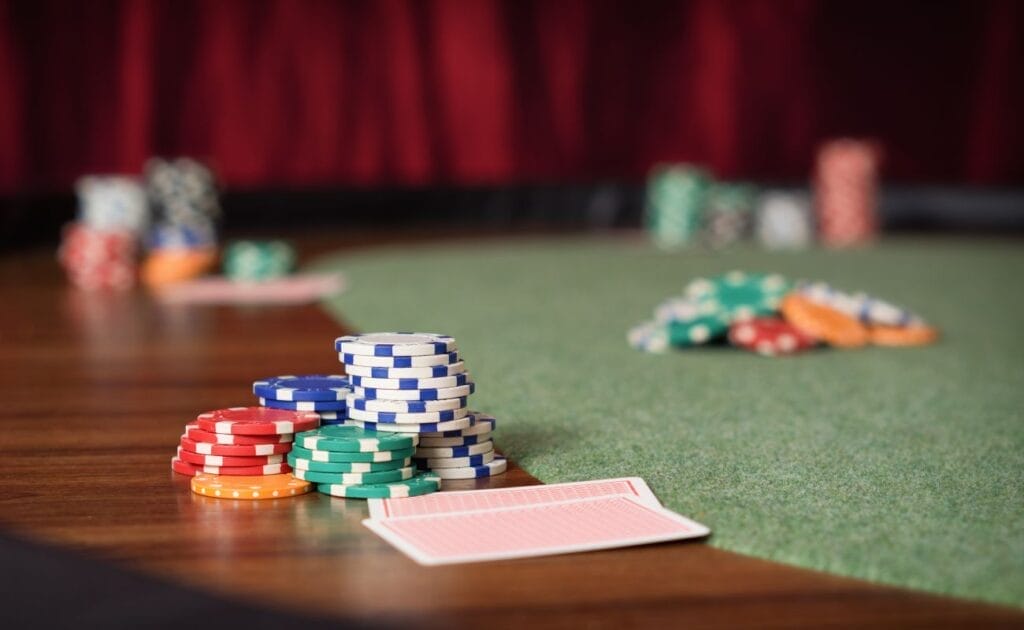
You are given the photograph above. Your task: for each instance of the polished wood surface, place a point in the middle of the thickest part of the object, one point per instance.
(96, 388)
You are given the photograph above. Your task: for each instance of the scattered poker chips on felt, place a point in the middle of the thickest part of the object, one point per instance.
(771, 316)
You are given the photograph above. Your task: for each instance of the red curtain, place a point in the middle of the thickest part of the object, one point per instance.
(290, 92)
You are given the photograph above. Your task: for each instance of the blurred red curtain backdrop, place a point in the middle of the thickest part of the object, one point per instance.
(294, 93)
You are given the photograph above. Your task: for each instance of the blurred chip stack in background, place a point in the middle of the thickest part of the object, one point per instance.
(846, 192)
(676, 195)
(728, 214)
(257, 261)
(99, 249)
(784, 220)
(183, 241)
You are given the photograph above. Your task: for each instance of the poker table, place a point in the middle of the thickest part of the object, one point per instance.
(842, 487)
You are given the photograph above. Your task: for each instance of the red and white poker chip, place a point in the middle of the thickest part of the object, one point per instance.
(193, 432)
(234, 450)
(769, 336)
(200, 459)
(257, 421)
(186, 468)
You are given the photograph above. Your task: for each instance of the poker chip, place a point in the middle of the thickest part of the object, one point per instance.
(257, 421)
(479, 423)
(304, 405)
(423, 360)
(428, 427)
(430, 463)
(391, 417)
(299, 463)
(351, 456)
(348, 479)
(902, 336)
(769, 336)
(739, 295)
(675, 201)
(257, 261)
(193, 432)
(395, 344)
(313, 387)
(697, 332)
(433, 371)
(652, 337)
(249, 487)
(865, 308)
(492, 468)
(227, 460)
(112, 203)
(824, 322)
(465, 450)
(185, 468)
(846, 191)
(405, 406)
(783, 220)
(423, 483)
(727, 216)
(411, 383)
(465, 440)
(233, 450)
(348, 438)
(332, 417)
(442, 393)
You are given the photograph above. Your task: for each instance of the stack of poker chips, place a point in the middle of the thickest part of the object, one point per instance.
(348, 461)
(771, 316)
(727, 217)
(183, 241)
(322, 394)
(783, 220)
(257, 261)
(417, 384)
(845, 192)
(240, 441)
(99, 250)
(676, 195)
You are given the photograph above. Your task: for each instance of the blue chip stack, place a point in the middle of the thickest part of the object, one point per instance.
(418, 383)
(324, 394)
(183, 196)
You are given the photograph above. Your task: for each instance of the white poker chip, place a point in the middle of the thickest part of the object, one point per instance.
(454, 451)
(423, 360)
(434, 463)
(404, 406)
(431, 427)
(395, 344)
(434, 371)
(492, 468)
(390, 417)
(412, 383)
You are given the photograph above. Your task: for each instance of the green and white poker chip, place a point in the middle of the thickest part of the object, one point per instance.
(740, 295)
(350, 438)
(298, 463)
(349, 456)
(423, 483)
(349, 479)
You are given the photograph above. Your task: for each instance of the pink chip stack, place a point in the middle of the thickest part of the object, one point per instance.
(98, 259)
(846, 192)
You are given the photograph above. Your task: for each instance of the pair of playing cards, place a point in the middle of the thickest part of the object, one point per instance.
(526, 521)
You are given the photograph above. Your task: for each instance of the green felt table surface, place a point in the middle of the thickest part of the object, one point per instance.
(903, 466)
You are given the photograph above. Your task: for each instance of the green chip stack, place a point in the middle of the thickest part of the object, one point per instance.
(676, 195)
(257, 261)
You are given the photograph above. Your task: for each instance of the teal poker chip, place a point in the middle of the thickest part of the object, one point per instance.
(336, 456)
(299, 463)
(350, 438)
(738, 295)
(349, 479)
(423, 483)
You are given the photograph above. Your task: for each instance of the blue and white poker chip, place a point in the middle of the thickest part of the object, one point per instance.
(395, 344)
(479, 423)
(312, 387)
(305, 405)
(429, 393)
(429, 427)
(494, 467)
(411, 383)
(453, 451)
(332, 417)
(430, 371)
(390, 417)
(405, 406)
(865, 308)
(458, 440)
(423, 360)
(433, 463)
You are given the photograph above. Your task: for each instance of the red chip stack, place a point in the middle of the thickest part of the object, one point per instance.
(846, 191)
(98, 259)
